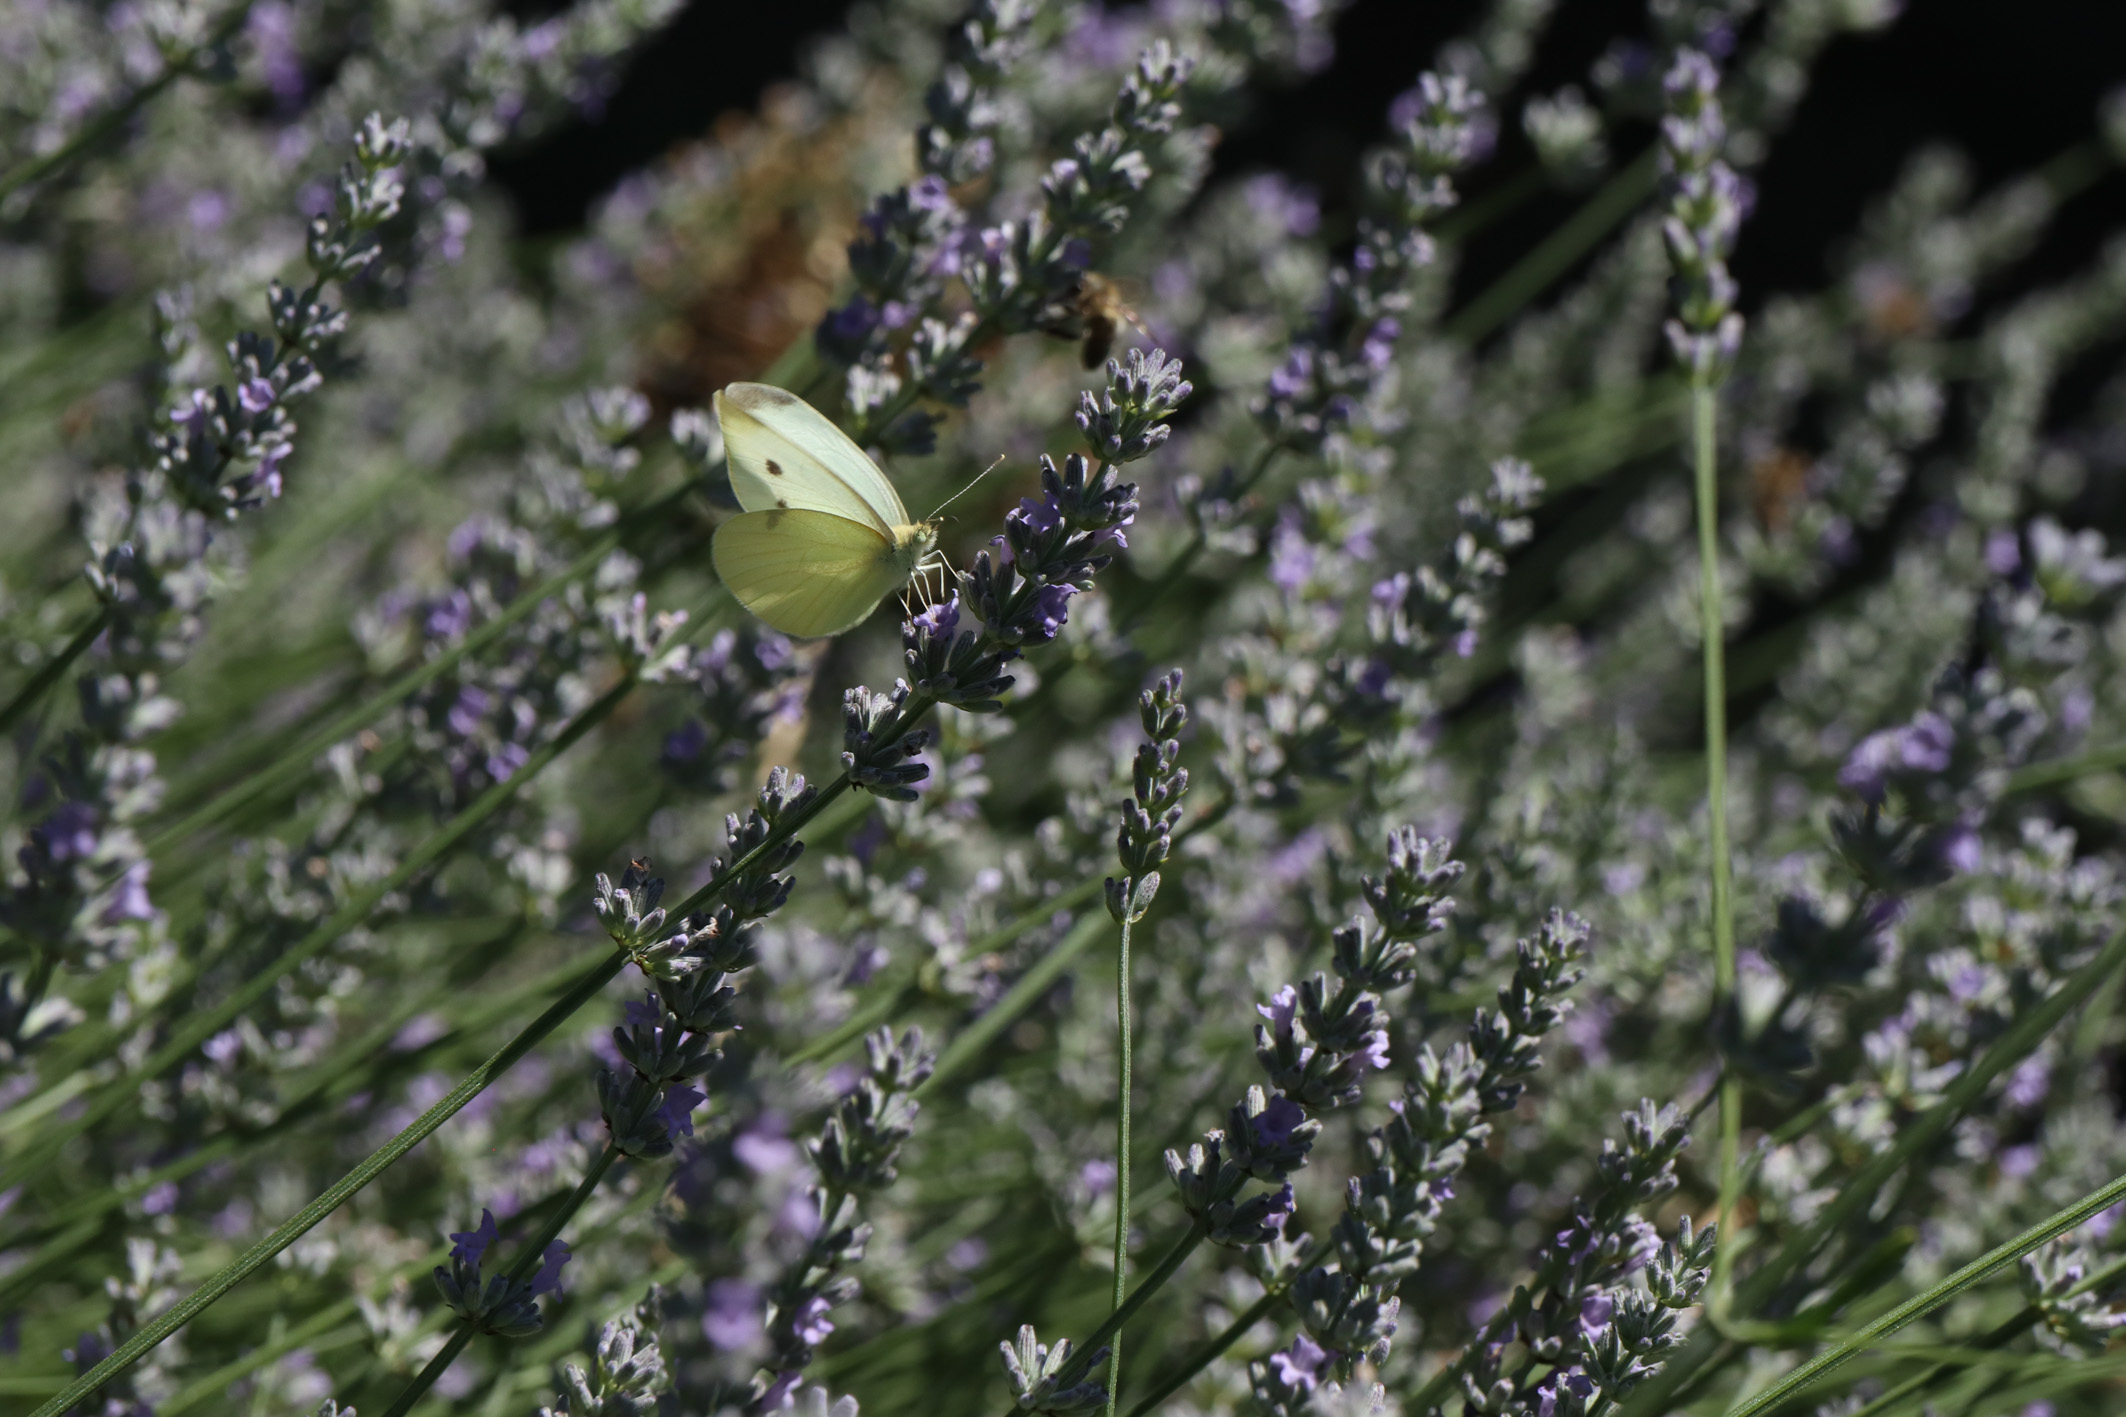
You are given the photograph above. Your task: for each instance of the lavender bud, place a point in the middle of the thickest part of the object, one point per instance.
(1038, 1374)
(877, 751)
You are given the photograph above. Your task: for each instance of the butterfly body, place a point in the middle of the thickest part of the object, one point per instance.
(823, 536)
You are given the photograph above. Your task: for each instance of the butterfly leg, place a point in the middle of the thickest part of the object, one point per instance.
(935, 564)
(923, 597)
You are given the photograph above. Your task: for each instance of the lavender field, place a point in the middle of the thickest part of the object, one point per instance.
(1002, 716)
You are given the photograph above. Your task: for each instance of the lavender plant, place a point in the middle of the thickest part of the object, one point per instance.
(358, 1060)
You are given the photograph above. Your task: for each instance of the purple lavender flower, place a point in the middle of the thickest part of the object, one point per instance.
(844, 333)
(503, 763)
(1373, 1050)
(1547, 1399)
(732, 1319)
(1867, 768)
(1925, 745)
(470, 1245)
(1377, 349)
(811, 1323)
(1291, 554)
(1292, 208)
(449, 618)
(1282, 1008)
(764, 1147)
(551, 1263)
(684, 744)
(942, 620)
(1961, 850)
(1274, 1124)
(1291, 379)
(677, 1112)
(1047, 612)
(2028, 1084)
(2004, 553)
(2018, 1162)
(469, 711)
(68, 834)
(1300, 1366)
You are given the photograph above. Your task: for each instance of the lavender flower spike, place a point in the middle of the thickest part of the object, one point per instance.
(1705, 213)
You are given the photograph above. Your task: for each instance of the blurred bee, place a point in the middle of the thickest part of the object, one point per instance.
(1096, 311)
(1779, 485)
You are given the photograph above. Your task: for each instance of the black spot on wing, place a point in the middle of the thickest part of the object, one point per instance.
(774, 468)
(781, 502)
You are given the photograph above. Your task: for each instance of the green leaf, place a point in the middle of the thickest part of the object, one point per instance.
(1922, 1304)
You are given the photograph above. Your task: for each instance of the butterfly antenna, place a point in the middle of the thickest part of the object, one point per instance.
(968, 488)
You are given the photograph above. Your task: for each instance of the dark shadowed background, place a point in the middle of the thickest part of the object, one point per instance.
(2008, 85)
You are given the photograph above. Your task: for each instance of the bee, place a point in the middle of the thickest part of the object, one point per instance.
(1779, 484)
(1094, 315)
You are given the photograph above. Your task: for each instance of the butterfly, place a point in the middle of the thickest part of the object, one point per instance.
(823, 537)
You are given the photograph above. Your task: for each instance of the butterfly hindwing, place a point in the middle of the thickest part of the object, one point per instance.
(807, 572)
(783, 453)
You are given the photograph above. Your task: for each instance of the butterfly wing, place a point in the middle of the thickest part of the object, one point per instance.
(783, 452)
(807, 572)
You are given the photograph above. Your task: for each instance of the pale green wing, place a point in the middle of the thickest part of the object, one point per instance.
(783, 452)
(807, 572)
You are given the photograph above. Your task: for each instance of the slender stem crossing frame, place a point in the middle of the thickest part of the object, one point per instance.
(1122, 1091)
(233, 1274)
(1712, 633)
(1925, 1303)
(527, 1259)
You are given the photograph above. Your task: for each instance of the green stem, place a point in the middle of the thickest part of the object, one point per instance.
(1617, 199)
(793, 822)
(527, 1260)
(1864, 1188)
(868, 1016)
(175, 1318)
(204, 1024)
(1023, 994)
(2062, 770)
(364, 1065)
(1712, 634)
(1153, 1283)
(315, 1334)
(1122, 1091)
(1036, 981)
(48, 673)
(1998, 1336)
(1230, 1335)
(1922, 1304)
(300, 1224)
(296, 761)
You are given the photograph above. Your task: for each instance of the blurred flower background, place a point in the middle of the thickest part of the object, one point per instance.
(1546, 950)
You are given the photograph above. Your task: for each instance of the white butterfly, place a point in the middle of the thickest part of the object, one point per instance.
(824, 536)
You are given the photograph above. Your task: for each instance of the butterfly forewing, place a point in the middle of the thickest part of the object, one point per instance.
(785, 454)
